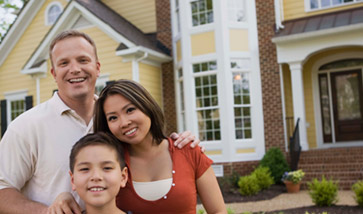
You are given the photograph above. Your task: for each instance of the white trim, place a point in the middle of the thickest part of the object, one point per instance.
(316, 98)
(66, 21)
(144, 54)
(317, 33)
(308, 8)
(286, 137)
(50, 5)
(12, 96)
(279, 14)
(17, 30)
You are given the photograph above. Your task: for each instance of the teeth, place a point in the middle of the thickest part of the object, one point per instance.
(131, 131)
(77, 80)
(96, 189)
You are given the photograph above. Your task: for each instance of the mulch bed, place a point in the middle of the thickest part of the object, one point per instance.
(233, 196)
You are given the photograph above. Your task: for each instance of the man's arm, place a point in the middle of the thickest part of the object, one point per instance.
(13, 202)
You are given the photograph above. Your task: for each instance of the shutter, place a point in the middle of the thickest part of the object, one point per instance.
(28, 102)
(3, 117)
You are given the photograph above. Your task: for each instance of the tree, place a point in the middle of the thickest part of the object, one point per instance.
(7, 9)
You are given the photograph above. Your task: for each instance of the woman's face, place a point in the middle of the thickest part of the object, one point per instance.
(128, 123)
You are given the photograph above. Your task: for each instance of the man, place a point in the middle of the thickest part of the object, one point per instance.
(35, 148)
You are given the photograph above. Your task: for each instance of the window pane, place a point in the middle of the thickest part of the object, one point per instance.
(202, 12)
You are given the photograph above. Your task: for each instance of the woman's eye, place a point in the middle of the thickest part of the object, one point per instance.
(111, 118)
(131, 109)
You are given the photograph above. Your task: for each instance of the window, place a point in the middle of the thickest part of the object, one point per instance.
(236, 10)
(182, 105)
(242, 98)
(15, 104)
(202, 12)
(206, 94)
(321, 4)
(177, 16)
(52, 13)
(101, 83)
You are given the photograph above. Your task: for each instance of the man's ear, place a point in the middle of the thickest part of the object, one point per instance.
(124, 176)
(72, 181)
(98, 64)
(52, 71)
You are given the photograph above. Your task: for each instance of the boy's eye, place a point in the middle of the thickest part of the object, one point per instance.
(84, 169)
(107, 168)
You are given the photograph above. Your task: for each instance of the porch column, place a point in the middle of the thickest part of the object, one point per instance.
(299, 101)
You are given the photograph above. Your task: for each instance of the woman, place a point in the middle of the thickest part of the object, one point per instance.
(162, 179)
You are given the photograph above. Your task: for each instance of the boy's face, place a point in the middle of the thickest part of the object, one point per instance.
(97, 176)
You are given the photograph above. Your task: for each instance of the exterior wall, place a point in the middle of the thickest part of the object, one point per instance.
(140, 13)
(11, 79)
(289, 110)
(270, 76)
(238, 40)
(203, 43)
(164, 35)
(294, 9)
(150, 78)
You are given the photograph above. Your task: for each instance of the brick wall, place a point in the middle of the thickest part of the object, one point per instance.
(270, 76)
(163, 22)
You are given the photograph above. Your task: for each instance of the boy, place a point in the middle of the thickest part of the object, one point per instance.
(98, 170)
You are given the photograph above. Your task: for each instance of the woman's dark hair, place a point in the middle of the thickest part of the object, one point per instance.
(99, 138)
(139, 97)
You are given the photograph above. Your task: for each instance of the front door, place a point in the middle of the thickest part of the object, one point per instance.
(347, 100)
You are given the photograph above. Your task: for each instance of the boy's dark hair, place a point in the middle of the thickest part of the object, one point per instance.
(137, 95)
(99, 138)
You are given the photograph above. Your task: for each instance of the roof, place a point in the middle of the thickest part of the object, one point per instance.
(322, 22)
(121, 25)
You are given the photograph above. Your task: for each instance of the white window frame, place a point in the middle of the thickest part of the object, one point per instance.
(102, 80)
(190, 15)
(309, 9)
(244, 10)
(46, 13)
(14, 96)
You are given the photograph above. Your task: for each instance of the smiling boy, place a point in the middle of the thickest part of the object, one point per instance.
(98, 171)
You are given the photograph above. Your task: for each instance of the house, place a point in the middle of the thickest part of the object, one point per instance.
(239, 74)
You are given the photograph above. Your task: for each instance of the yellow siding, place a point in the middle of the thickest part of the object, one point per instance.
(293, 9)
(238, 40)
(11, 79)
(150, 78)
(244, 151)
(140, 13)
(178, 50)
(203, 43)
(213, 152)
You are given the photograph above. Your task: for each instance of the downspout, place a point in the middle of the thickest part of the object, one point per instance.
(279, 14)
(37, 80)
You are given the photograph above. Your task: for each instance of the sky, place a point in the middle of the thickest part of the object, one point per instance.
(6, 15)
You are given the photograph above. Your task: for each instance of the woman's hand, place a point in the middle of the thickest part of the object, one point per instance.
(64, 204)
(184, 138)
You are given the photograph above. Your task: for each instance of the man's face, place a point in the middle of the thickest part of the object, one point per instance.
(75, 68)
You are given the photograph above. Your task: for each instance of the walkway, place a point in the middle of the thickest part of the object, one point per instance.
(287, 201)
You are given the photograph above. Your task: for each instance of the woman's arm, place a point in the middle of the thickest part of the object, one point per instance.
(209, 193)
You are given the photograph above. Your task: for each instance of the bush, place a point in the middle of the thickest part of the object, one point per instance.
(323, 193)
(248, 185)
(263, 176)
(358, 190)
(275, 160)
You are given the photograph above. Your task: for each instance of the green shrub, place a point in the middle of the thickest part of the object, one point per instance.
(200, 211)
(324, 192)
(248, 185)
(275, 160)
(358, 190)
(264, 178)
(230, 210)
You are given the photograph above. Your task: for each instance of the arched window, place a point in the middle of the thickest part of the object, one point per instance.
(52, 12)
